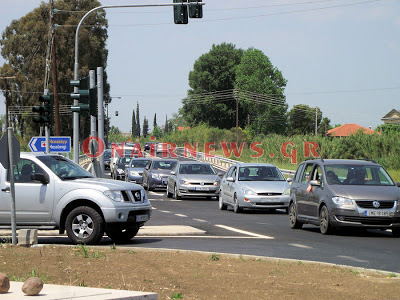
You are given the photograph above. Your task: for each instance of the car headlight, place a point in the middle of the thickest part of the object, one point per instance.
(250, 192)
(155, 176)
(185, 182)
(216, 183)
(133, 173)
(114, 195)
(120, 171)
(286, 192)
(343, 202)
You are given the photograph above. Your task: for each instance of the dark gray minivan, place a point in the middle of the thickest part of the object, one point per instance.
(334, 193)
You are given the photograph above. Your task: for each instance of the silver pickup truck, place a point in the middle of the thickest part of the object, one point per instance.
(52, 192)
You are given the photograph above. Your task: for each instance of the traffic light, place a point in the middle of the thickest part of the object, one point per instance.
(45, 110)
(87, 97)
(180, 13)
(195, 11)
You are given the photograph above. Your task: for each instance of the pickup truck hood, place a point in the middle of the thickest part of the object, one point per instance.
(102, 184)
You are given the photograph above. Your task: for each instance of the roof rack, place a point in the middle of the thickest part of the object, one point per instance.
(315, 158)
(368, 159)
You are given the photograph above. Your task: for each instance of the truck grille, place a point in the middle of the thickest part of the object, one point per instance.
(132, 196)
(269, 194)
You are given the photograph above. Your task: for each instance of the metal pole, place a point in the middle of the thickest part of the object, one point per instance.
(100, 116)
(316, 120)
(54, 73)
(47, 130)
(76, 64)
(92, 84)
(12, 187)
(237, 116)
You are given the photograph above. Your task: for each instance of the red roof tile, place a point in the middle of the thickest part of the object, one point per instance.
(348, 129)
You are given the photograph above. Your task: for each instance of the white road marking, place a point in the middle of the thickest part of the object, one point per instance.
(196, 236)
(180, 215)
(352, 258)
(175, 200)
(301, 246)
(245, 232)
(158, 194)
(165, 211)
(200, 220)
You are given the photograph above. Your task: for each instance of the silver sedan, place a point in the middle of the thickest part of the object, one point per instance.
(196, 179)
(254, 186)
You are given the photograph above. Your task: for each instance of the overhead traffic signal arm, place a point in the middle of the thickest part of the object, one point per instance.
(181, 11)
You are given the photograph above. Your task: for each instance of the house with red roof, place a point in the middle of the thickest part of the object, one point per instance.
(348, 129)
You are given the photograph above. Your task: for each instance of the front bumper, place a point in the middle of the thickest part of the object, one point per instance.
(264, 202)
(198, 190)
(155, 183)
(127, 216)
(135, 179)
(359, 218)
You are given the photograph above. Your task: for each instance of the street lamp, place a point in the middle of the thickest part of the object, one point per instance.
(108, 121)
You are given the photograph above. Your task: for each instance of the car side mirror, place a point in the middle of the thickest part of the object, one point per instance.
(289, 179)
(230, 179)
(44, 179)
(398, 184)
(315, 183)
(220, 174)
(172, 173)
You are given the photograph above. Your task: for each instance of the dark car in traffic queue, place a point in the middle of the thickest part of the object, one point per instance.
(156, 172)
(107, 158)
(118, 171)
(134, 172)
(340, 193)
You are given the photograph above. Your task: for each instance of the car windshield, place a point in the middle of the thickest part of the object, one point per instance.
(64, 168)
(260, 173)
(139, 163)
(357, 175)
(164, 165)
(124, 160)
(107, 154)
(202, 169)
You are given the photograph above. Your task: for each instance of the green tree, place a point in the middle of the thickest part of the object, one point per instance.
(145, 127)
(213, 72)
(137, 120)
(24, 47)
(260, 90)
(157, 132)
(302, 119)
(324, 126)
(155, 120)
(166, 125)
(134, 129)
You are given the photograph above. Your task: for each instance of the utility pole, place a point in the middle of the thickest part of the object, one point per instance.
(54, 72)
(316, 120)
(237, 116)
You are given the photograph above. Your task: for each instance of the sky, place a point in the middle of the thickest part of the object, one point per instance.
(340, 55)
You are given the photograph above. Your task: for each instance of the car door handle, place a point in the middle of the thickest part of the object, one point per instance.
(7, 190)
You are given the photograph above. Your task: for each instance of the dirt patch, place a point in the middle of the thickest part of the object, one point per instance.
(181, 275)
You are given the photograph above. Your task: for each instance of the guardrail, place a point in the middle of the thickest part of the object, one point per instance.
(221, 162)
(83, 159)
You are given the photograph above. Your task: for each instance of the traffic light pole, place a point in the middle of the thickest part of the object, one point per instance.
(92, 84)
(100, 116)
(47, 130)
(76, 65)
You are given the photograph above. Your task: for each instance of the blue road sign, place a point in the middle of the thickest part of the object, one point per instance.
(57, 144)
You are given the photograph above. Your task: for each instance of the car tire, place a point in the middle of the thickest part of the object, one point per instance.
(169, 194)
(324, 225)
(84, 225)
(176, 196)
(396, 232)
(236, 207)
(119, 235)
(293, 222)
(221, 204)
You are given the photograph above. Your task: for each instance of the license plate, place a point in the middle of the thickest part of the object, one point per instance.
(376, 213)
(142, 218)
(201, 189)
(268, 200)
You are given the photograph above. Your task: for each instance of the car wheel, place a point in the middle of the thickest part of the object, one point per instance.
(293, 222)
(119, 235)
(84, 225)
(324, 225)
(396, 232)
(221, 204)
(169, 194)
(176, 196)
(236, 206)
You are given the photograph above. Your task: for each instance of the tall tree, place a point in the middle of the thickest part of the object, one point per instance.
(134, 126)
(145, 127)
(23, 47)
(302, 119)
(155, 120)
(213, 72)
(260, 90)
(166, 126)
(137, 120)
(324, 126)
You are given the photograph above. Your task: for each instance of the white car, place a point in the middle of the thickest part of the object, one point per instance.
(52, 192)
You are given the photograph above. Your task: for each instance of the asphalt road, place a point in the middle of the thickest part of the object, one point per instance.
(262, 233)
